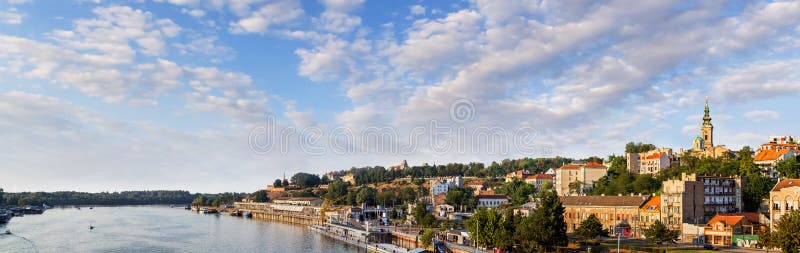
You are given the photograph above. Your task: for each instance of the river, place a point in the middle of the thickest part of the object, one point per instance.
(157, 229)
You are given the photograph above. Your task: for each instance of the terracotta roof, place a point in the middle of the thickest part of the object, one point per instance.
(770, 154)
(636, 201)
(298, 198)
(731, 219)
(654, 204)
(492, 196)
(786, 183)
(594, 164)
(656, 155)
(587, 165)
(475, 182)
(540, 176)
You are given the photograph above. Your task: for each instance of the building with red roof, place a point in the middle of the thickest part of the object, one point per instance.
(783, 199)
(768, 159)
(583, 173)
(723, 228)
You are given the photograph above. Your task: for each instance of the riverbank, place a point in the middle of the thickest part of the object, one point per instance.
(370, 247)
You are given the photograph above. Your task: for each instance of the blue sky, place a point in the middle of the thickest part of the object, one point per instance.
(176, 94)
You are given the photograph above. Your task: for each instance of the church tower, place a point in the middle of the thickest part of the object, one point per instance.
(707, 130)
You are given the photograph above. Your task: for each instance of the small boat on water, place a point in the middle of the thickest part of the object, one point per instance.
(188, 207)
(248, 215)
(236, 213)
(5, 216)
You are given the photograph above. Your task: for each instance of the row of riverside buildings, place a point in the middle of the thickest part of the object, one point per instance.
(703, 208)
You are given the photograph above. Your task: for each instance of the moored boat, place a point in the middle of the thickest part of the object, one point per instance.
(5, 216)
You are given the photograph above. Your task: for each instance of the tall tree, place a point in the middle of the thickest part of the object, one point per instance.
(659, 234)
(277, 183)
(461, 198)
(787, 234)
(426, 238)
(337, 189)
(747, 167)
(366, 195)
(517, 190)
(545, 227)
(789, 168)
(591, 228)
(305, 180)
(756, 189)
(260, 196)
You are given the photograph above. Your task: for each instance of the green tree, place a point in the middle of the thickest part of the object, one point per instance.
(658, 233)
(517, 190)
(2, 199)
(789, 168)
(260, 196)
(756, 189)
(747, 167)
(575, 187)
(366, 195)
(304, 180)
(765, 239)
(423, 217)
(277, 183)
(336, 189)
(426, 238)
(591, 228)
(461, 198)
(217, 201)
(285, 182)
(787, 234)
(199, 201)
(386, 197)
(545, 227)
(632, 147)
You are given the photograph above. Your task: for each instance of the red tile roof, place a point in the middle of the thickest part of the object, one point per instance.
(594, 164)
(786, 183)
(656, 155)
(654, 204)
(770, 154)
(540, 176)
(731, 219)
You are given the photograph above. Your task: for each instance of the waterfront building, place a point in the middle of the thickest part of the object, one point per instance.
(298, 201)
(768, 159)
(585, 174)
(492, 200)
(739, 229)
(538, 179)
(650, 162)
(783, 198)
(616, 213)
(682, 202)
(703, 145)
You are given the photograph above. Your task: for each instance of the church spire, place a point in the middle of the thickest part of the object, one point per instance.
(707, 116)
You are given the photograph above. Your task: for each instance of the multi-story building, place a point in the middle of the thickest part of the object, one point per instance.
(520, 174)
(723, 194)
(739, 229)
(491, 200)
(538, 179)
(768, 159)
(616, 213)
(584, 175)
(442, 185)
(476, 185)
(682, 203)
(649, 213)
(650, 162)
(783, 198)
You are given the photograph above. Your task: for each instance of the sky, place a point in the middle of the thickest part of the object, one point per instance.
(227, 95)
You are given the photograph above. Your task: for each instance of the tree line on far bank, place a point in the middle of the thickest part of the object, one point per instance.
(111, 198)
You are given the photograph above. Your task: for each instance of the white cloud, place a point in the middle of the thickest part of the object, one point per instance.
(206, 46)
(342, 5)
(18, 1)
(270, 14)
(337, 22)
(10, 16)
(197, 13)
(762, 115)
(759, 80)
(417, 10)
(325, 62)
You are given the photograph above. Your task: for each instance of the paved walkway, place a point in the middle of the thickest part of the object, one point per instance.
(376, 247)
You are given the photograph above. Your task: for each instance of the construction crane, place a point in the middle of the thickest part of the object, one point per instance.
(326, 206)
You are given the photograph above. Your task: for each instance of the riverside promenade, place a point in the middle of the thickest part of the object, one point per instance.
(370, 247)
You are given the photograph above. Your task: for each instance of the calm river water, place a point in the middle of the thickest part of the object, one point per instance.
(157, 229)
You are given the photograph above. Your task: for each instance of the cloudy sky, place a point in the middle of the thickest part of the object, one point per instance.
(227, 95)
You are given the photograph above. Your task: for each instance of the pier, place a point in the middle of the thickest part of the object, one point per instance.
(293, 214)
